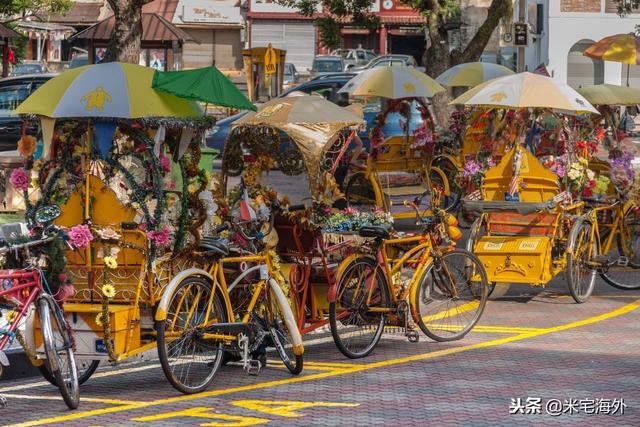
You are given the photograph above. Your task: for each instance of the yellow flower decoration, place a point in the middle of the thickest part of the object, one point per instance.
(110, 262)
(11, 315)
(99, 320)
(193, 187)
(109, 291)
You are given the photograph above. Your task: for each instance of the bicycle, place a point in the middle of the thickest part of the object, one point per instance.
(446, 285)
(26, 287)
(200, 310)
(607, 240)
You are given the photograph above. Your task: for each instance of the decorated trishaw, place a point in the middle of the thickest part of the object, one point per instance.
(531, 225)
(121, 160)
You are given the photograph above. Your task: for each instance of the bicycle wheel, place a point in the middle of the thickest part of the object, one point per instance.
(448, 202)
(281, 326)
(356, 329)
(581, 277)
(188, 360)
(450, 296)
(57, 347)
(620, 275)
(85, 369)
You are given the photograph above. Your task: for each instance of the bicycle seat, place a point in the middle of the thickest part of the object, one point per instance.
(374, 231)
(214, 246)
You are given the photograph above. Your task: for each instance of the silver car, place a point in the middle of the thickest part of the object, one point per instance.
(386, 61)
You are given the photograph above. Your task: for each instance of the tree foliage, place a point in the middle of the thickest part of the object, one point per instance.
(626, 7)
(19, 9)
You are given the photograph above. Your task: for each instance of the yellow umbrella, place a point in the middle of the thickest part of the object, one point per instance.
(472, 74)
(526, 90)
(623, 48)
(109, 90)
(607, 94)
(394, 82)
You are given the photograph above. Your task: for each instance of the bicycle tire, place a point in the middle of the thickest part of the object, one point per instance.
(580, 281)
(63, 368)
(425, 294)
(280, 324)
(84, 373)
(182, 374)
(358, 315)
(626, 278)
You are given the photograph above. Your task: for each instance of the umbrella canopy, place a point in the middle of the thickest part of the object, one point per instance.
(312, 123)
(109, 90)
(472, 74)
(395, 82)
(526, 90)
(607, 94)
(623, 48)
(206, 84)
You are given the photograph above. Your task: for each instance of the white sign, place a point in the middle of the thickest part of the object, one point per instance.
(207, 12)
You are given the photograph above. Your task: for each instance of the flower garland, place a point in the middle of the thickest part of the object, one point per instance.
(351, 220)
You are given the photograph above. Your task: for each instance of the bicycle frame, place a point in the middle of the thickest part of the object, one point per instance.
(33, 286)
(610, 230)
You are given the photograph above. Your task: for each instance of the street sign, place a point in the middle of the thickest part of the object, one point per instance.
(270, 61)
(521, 36)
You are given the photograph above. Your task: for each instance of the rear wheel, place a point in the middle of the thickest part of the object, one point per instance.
(451, 296)
(188, 360)
(581, 275)
(282, 336)
(57, 346)
(623, 271)
(85, 369)
(358, 315)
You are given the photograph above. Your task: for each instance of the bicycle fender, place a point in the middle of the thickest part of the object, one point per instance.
(572, 233)
(29, 336)
(443, 177)
(289, 319)
(163, 305)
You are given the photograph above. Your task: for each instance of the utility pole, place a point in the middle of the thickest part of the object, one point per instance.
(522, 17)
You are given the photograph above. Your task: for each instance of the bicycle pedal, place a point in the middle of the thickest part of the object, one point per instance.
(412, 336)
(253, 367)
(3, 402)
(622, 261)
(4, 360)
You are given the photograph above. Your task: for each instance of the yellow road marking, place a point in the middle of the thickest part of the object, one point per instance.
(82, 398)
(488, 328)
(286, 408)
(355, 369)
(472, 305)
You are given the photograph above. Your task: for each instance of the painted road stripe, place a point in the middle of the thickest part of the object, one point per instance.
(454, 311)
(82, 398)
(355, 369)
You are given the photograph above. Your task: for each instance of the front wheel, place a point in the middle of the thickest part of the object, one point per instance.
(450, 296)
(188, 360)
(620, 276)
(284, 331)
(57, 347)
(85, 368)
(359, 313)
(581, 275)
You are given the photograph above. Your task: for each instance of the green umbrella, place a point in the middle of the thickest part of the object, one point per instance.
(206, 84)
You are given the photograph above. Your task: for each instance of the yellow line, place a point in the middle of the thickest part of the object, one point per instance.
(452, 311)
(355, 369)
(82, 399)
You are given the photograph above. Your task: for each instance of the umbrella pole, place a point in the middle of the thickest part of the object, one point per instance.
(628, 66)
(87, 173)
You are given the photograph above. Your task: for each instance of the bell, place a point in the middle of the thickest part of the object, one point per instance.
(454, 233)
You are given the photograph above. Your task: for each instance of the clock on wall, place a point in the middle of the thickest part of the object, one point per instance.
(387, 4)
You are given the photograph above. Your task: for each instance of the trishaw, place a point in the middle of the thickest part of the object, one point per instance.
(112, 148)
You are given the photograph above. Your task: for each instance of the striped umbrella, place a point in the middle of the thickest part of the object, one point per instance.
(472, 74)
(526, 90)
(109, 90)
(623, 48)
(394, 82)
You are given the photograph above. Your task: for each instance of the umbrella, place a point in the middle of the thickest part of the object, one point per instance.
(607, 94)
(206, 84)
(394, 82)
(109, 90)
(472, 74)
(526, 90)
(623, 48)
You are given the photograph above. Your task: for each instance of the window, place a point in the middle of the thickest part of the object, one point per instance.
(12, 95)
(327, 66)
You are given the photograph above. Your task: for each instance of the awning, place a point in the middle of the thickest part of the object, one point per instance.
(7, 33)
(202, 12)
(81, 13)
(154, 29)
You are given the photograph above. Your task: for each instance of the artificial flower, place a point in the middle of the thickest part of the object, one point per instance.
(20, 179)
(80, 236)
(108, 233)
(110, 262)
(108, 291)
(27, 145)
(165, 164)
(99, 319)
(161, 237)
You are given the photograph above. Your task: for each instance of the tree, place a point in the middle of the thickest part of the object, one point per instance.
(19, 9)
(126, 39)
(627, 6)
(440, 17)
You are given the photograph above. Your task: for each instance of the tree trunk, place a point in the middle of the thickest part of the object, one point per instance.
(126, 39)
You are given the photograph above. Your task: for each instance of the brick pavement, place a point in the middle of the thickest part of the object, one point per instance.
(519, 350)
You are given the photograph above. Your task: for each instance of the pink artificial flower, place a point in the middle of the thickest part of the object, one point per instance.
(65, 291)
(160, 237)
(350, 211)
(80, 236)
(20, 179)
(164, 163)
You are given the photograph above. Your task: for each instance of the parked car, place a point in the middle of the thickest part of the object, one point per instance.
(326, 64)
(385, 61)
(29, 67)
(14, 90)
(327, 86)
(353, 57)
(291, 75)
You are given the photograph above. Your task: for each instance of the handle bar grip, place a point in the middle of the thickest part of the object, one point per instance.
(294, 208)
(223, 227)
